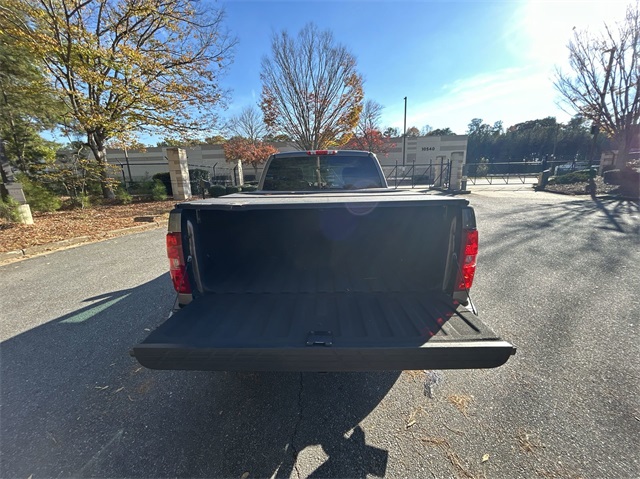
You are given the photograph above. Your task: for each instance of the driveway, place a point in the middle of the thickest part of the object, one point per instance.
(557, 276)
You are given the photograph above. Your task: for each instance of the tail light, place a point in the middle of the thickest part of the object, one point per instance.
(321, 152)
(177, 265)
(468, 257)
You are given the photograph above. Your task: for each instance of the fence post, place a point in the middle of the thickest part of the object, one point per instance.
(396, 173)
(413, 173)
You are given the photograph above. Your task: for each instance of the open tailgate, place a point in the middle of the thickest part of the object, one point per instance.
(322, 332)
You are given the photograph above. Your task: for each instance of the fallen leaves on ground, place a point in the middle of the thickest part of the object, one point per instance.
(461, 402)
(580, 188)
(452, 456)
(94, 222)
(413, 417)
(527, 442)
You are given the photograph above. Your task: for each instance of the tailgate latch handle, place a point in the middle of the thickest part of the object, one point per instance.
(320, 338)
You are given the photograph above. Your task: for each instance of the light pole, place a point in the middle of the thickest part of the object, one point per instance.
(404, 134)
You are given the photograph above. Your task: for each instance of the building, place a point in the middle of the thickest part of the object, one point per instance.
(426, 161)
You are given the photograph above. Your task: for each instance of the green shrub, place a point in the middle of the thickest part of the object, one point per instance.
(166, 181)
(158, 191)
(569, 178)
(83, 201)
(39, 197)
(79, 201)
(233, 189)
(217, 190)
(9, 210)
(249, 188)
(123, 197)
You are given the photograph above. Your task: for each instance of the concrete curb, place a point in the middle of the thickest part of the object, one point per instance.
(19, 254)
(42, 248)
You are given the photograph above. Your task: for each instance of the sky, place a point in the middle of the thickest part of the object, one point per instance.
(454, 61)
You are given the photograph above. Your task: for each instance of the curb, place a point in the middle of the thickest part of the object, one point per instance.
(31, 251)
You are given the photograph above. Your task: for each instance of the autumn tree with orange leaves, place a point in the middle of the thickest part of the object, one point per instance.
(311, 89)
(254, 152)
(121, 66)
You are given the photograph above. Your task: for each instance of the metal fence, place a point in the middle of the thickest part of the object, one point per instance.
(511, 171)
(434, 175)
(135, 182)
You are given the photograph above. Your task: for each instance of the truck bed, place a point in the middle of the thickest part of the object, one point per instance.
(259, 200)
(331, 331)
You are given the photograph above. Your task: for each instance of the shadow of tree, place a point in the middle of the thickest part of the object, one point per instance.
(75, 404)
(594, 220)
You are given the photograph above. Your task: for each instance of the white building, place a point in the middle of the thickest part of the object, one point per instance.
(426, 160)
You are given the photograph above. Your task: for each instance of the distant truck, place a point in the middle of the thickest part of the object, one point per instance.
(323, 268)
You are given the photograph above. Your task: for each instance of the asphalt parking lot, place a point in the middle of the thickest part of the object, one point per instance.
(558, 276)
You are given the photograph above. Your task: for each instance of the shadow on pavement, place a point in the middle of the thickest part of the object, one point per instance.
(74, 403)
(598, 218)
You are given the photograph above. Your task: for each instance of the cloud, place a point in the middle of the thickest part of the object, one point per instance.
(510, 95)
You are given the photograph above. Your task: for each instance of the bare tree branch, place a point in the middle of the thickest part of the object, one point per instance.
(311, 90)
(614, 107)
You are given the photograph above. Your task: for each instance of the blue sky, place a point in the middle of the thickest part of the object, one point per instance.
(453, 60)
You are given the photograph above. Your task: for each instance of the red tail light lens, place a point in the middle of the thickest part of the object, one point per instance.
(177, 266)
(468, 263)
(322, 152)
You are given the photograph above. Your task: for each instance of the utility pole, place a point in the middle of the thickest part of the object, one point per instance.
(404, 134)
(596, 124)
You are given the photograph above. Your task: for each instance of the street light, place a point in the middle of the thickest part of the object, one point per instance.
(404, 134)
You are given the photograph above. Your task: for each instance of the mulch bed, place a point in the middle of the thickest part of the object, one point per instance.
(94, 222)
(581, 188)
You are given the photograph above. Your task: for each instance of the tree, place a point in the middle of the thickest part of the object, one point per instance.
(603, 82)
(367, 135)
(125, 65)
(248, 124)
(27, 104)
(370, 116)
(215, 140)
(441, 132)
(280, 138)
(311, 90)
(369, 140)
(181, 142)
(426, 129)
(413, 131)
(254, 152)
(391, 132)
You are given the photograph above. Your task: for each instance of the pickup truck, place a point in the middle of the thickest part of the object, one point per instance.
(323, 268)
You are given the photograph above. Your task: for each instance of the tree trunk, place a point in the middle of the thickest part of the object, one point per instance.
(99, 150)
(623, 148)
